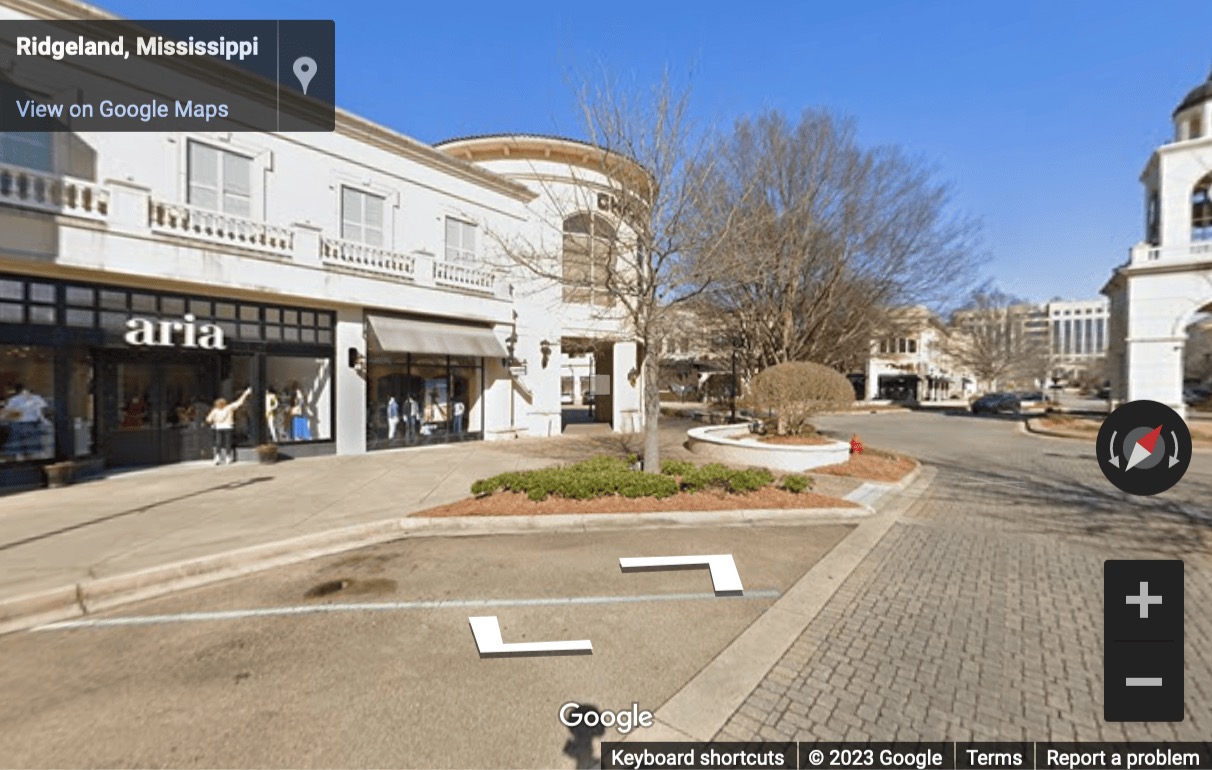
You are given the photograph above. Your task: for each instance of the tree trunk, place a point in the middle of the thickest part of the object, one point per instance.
(652, 410)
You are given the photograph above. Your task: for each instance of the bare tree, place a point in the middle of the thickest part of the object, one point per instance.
(834, 236)
(990, 337)
(648, 172)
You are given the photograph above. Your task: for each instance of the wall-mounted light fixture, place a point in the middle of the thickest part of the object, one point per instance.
(357, 361)
(511, 343)
(545, 350)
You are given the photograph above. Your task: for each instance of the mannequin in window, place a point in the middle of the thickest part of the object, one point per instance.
(25, 412)
(458, 416)
(412, 413)
(300, 421)
(136, 413)
(393, 418)
(271, 413)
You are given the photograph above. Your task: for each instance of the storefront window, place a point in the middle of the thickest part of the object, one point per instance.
(422, 399)
(302, 402)
(27, 381)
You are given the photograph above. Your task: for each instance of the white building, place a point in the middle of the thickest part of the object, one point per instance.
(1078, 334)
(911, 363)
(1167, 281)
(142, 275)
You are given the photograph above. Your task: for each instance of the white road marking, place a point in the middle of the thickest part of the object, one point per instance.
(438, 604)
(487, 633)
(724, 577)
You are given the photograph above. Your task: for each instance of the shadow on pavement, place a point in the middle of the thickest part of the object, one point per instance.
(141, 509)
(1073, 508)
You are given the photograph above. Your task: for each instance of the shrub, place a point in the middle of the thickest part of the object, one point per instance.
(796, 483)
(677, 467)
(603, 476)
(797, 390)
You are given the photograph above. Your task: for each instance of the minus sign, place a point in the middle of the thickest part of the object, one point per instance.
(1144, 681)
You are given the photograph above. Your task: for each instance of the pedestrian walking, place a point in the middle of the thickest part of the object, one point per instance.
(222, 419)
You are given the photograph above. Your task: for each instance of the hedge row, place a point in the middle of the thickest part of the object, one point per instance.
(603, 476)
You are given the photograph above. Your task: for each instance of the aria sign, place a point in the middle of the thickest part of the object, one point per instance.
(186, 333)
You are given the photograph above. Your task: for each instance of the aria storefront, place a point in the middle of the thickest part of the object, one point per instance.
(125, 377)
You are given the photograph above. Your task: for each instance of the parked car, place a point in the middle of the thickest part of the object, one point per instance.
(1196, 395)
(1031, 397)
(1104, 392)
(995, 403)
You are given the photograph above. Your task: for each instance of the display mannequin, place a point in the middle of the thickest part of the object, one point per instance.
(458, 416)
(271, 413)
(26, 411)
(299, 417)
(412, 412)
(393, 418)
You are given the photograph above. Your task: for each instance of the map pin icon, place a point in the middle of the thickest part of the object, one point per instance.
(305, 70)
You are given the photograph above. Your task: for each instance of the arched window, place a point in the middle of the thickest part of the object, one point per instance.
(1201, 210)
(589, 243)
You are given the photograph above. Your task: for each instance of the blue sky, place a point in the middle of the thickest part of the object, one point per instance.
(1040, 114)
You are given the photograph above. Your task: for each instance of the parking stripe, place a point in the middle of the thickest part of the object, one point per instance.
(439, 604)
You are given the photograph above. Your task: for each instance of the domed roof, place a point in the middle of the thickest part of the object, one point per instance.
(1198, 95)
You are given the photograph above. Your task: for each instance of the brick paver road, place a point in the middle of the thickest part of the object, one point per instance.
(979, 615)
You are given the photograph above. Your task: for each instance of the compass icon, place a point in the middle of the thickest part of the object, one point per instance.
(1144, 447)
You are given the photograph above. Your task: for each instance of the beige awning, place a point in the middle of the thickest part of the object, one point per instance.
(402, 335)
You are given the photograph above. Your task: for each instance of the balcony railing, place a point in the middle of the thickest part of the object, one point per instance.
(55, 194)
(218, 228)
(370, 259)
(1143, 253)
(461, 277)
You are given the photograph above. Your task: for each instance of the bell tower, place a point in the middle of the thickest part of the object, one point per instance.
(1167, 280)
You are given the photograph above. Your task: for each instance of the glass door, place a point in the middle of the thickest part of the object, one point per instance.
(135, 418)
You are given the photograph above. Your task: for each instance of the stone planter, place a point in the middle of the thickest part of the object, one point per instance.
(59, 474)
(735, 445)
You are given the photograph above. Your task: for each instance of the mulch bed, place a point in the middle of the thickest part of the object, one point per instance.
(871, 466)
(802, 440)
(518, 504)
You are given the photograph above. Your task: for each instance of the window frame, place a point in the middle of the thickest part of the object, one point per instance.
(460, 254)
(221, 178)
(363, 196)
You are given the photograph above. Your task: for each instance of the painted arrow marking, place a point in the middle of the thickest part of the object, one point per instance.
(724, 577)
(487, 633)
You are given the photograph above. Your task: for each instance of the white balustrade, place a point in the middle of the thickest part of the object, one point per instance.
(463, 277)
(56, 194)
(370, 259)
(215, 227)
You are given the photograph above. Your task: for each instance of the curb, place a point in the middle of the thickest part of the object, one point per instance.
(98, 594)
(1028, 428)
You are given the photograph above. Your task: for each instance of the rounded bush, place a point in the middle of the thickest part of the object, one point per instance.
(797, 390)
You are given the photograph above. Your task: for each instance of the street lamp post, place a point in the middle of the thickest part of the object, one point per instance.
(732, 390)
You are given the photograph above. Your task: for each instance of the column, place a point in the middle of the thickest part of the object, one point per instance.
(627, 415)
(350, 385)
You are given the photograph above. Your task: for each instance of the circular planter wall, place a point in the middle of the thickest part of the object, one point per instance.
(735, 445)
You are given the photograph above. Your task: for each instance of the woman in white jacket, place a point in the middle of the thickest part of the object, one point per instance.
(223, 419)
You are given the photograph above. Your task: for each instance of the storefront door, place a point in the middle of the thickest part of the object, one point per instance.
(155, 411)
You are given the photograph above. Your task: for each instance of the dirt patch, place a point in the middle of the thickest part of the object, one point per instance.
(812, 439)
(1081, 427)
(872, 465)
(518, 504)
(351, 586)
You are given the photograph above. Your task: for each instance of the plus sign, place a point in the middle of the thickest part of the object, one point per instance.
(1144, 600)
